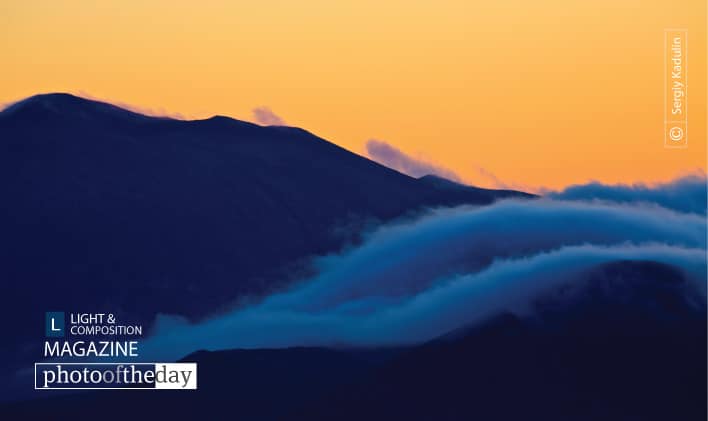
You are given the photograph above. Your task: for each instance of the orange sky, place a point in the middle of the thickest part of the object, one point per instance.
(539, 93)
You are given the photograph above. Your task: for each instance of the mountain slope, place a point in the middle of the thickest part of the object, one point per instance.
(108, 210)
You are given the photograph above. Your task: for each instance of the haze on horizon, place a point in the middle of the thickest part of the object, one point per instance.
(541, 94)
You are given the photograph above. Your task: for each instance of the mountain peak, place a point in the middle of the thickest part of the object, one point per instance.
(54, 100)
(63, 105)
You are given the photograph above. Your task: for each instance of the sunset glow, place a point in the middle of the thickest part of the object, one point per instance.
(535, 94)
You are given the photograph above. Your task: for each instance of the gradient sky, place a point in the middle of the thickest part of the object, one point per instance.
(539, 93)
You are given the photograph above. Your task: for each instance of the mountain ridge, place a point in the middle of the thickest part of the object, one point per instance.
(137, 215)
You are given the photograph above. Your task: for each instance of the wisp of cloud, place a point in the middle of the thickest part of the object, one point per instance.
(392, 157)
(265, 117)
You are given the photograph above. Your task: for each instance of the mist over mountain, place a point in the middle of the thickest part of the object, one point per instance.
(411, 281)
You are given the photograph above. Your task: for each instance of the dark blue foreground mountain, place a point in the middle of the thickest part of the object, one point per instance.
(106, 210)
(628, 345)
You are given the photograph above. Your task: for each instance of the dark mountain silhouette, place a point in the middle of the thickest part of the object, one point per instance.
(106, 210)
(628, 345)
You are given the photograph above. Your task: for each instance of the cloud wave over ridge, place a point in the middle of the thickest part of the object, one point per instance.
(685, 194)
(412, 281)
